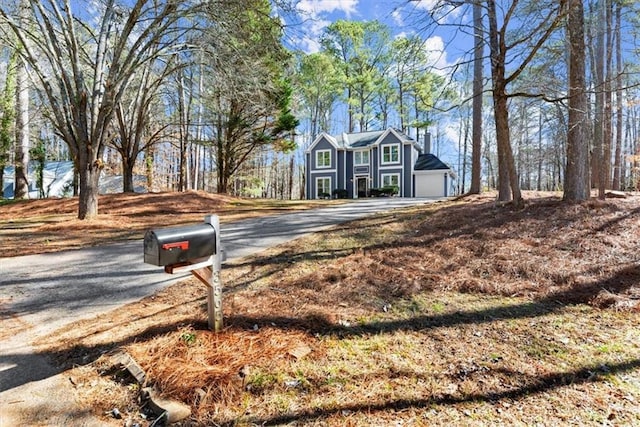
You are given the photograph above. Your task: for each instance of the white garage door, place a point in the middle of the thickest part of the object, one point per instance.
(430, 185)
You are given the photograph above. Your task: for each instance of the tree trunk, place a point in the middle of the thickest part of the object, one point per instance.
(89, 176)
(507, 175)
(617, 162)
(476, 137)
(21, 161)
(148, 163)
(292, 165)
(607, 136)
(635, 149)
(127, 175)
(7, 117)
(183, 134)
(350, 108)
(2, 166)
(540, 156)
(491, 180)
(598, 137)
(303, 181)
(577, 182)
(508, 187)
(363, 119)
(222, 161)
(403, 126)
(463, 140)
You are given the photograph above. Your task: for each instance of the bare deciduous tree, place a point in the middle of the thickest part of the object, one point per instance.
(21, 160)
(7, 117)
(85, 68)
(137, 121)
(476, 138)
(577, 182)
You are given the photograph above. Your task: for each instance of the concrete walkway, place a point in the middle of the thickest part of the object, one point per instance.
(41, 293)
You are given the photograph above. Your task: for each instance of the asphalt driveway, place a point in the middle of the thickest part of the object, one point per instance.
(41, 293)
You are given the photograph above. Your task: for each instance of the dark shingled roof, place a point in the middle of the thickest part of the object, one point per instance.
(429, 162)
(365, 139)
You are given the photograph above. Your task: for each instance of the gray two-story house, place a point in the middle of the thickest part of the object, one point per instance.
(358, 164)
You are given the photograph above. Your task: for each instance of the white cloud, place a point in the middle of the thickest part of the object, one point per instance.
(426, 4)
(316, 7)
(441, 11)
(397, 18)
(315, 17)
(437, 55)
(310, 43)
(318, 26)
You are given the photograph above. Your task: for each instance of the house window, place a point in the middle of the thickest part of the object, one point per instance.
(323, 188)
(391, 153)
(391, 180)
(361, 158)
(323, 159)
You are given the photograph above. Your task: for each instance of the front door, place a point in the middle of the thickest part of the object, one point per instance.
(361, 184)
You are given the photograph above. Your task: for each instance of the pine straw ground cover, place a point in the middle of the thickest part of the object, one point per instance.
(48, 225)
(460, 313)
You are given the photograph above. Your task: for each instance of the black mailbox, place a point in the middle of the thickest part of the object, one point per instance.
(176, 245)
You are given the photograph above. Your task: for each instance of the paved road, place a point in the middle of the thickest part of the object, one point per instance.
(45, 292)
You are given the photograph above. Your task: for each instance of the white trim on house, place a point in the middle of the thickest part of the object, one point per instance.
(415, 144)
(361, 152)
(396, 145)
(385, 175)
(449, 171)
(368, 181)
(344, 168)
(326, 136)
(322, 178)
(386, 133)
(317, 158)
(324, 171)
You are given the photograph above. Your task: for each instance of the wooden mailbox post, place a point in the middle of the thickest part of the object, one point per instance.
(177, 242)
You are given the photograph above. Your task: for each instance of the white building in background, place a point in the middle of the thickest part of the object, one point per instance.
(57, 177)
(58, 181)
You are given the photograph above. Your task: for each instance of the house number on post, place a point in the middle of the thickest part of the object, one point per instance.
(192, 248)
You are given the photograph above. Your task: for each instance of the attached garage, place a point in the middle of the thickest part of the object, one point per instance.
(432, 177)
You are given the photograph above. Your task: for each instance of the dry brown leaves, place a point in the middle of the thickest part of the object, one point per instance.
(49, 225)
(549, 251)
(582, 253)
(208, 370)
(336, 293)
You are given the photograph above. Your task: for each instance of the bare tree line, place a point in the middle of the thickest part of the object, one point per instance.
(203, 95)
(131, 76)
(570, 105)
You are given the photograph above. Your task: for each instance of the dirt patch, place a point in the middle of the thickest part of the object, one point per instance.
(460, 313)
